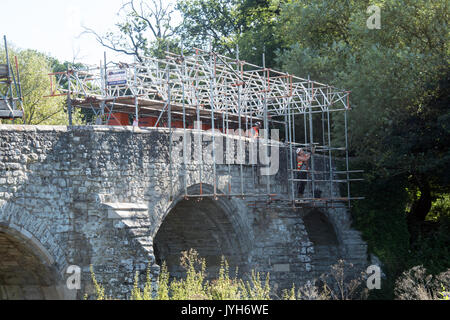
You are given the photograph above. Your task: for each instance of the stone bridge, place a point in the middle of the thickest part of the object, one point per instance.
(109, 197)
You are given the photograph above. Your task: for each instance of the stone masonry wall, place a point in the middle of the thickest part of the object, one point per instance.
(99, 195)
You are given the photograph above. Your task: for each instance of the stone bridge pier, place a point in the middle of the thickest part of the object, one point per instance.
(112, 198)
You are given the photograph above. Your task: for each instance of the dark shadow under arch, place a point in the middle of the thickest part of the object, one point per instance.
(24, 273)
(319, 228)
(210, 227)
(323, 236)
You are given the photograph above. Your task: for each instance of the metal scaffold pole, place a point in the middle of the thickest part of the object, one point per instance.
(241, 146)
(169, 116)
(8, 73)
(311, 138)
(136, 101)
(330, 163)
(212, 89)
(228, 95)
(291, 160)
(185, 150)
(69, 101)
(347, 156)
(265, 139)
(105, 92)
(228, 148)
(198, 129)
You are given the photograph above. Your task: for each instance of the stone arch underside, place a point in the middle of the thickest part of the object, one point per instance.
(24, 273)
(326, 244)
(209, 226)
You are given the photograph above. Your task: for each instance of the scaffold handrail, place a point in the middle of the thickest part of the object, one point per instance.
(188, 77)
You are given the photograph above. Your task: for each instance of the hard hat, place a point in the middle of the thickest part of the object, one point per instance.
(299, 150)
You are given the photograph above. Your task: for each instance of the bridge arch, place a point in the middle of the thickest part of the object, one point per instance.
(26, 268)
(214, 228)
(326, 244)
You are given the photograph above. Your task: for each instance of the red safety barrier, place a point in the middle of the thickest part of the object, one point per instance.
(119, 119)
(148, 122)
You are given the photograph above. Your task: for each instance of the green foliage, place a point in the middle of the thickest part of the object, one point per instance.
(445, 295)
(260, 31)
(146, 294)
(392, 73)
(34, 68)
(225, 288)
(99, 290)
(136, 293)
(417, 284)
(440, 211)
(432, 250)
(381, 217)
(145, 29)
(194, 287)
(249, 24)
(163, 283)
(398, 128)
(289, 294)
(209, 20)
(254, 290)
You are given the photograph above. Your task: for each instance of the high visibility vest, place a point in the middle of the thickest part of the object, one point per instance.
(299, 165)
(255, 132)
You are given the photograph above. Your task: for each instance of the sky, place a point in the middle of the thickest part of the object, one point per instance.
(54, 27)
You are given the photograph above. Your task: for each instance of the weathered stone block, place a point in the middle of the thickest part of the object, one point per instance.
(102, 195)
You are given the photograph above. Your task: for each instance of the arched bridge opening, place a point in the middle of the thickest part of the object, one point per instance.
(208, 227)
(24, 273)
(323, 236)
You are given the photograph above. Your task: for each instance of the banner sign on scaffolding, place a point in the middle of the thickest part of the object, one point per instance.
(116, 77)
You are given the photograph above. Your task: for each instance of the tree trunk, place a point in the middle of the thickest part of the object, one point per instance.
(420, 207)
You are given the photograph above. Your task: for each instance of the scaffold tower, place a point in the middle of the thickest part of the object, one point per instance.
(10, 88)
(224, 93)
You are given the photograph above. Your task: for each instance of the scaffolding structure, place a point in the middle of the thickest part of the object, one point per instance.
(10, 89)
(224, 93)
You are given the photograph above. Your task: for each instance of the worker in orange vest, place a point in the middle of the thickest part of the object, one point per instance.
(302, 166)
(254, 132)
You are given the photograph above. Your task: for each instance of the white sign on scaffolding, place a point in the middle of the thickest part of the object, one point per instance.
(116, 77)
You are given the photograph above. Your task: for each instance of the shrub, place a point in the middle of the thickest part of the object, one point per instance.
(309, 291)
(340, 283)
(224, 287)
(194, 286)
(417, 284)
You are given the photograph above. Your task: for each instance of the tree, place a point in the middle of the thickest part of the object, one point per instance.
(34, 68)
(227, 24)
(146, 29)
(259, 32)
(394, 73)
(398, 126)
(208, 22)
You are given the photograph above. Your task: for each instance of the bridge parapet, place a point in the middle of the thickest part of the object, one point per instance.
(111, 196)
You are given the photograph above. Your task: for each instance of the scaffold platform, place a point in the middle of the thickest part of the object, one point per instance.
(225, 93)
